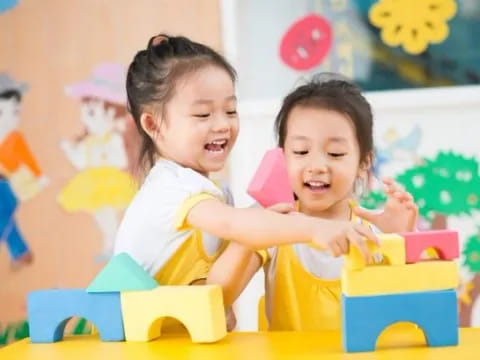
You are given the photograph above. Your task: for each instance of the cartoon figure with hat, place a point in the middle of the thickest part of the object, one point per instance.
(20, 175)
(102, 187)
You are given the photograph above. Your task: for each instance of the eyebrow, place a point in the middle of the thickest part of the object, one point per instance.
(336, 139)
(207, 102)
(299, 137)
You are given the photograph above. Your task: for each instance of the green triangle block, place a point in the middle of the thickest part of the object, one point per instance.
(122, 273)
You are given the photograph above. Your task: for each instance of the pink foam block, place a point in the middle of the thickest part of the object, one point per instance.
(270, 183)
(445, 243)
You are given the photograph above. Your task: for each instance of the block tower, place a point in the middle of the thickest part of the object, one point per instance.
(401, 288)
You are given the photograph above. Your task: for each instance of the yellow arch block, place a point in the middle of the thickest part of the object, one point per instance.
(199, 308)
(392, 249)
(384, 279)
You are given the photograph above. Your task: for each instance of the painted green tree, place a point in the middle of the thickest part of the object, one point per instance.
(373, 200)
(447, 185)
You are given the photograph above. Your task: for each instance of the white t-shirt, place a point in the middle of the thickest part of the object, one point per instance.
(148, 230)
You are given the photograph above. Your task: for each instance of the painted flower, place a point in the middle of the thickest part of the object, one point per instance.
(414, 24)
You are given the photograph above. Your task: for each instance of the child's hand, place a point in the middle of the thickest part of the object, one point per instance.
(400, 213)
(339, 235)
(283, 208)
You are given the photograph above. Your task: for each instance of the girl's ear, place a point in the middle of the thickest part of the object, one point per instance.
(365, 165)
(149, 124)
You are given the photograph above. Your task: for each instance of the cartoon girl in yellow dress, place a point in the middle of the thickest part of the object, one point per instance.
(102, 186)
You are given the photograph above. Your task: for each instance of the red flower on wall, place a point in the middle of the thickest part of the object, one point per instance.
(306, 43)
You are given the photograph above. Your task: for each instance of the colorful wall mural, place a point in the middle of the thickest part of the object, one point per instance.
(68, 149)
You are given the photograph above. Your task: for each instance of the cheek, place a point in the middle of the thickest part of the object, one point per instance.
(347, 172)
(295, 171)
(193, 134)
(235, 127)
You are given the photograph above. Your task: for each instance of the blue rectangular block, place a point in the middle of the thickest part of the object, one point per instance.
(365, 317)
(50, 310)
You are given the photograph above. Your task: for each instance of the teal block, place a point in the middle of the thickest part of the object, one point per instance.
(122, 273)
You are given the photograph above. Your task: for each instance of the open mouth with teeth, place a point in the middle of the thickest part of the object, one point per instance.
(216, 146)
(317, 185)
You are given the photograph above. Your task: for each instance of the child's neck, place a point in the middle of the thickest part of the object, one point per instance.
(339, 211)
(176, 162)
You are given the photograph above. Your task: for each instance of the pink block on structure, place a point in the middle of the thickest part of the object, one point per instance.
(270, 184)
(445, 242)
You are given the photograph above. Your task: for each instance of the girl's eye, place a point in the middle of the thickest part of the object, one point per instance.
(303, 152)
(201, 115)
(337, 154)
(234, 112)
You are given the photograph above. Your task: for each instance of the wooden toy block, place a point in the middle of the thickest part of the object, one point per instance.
(365, 317)
(199, 308)
(270, 184)
(50, 310)
(122, 273)
(445, 242)
(392, 249)
(385, 279)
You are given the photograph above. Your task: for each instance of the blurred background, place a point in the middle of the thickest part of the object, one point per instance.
(64, 128)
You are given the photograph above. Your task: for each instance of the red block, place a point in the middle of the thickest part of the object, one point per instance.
(270, 184)
(445, 243)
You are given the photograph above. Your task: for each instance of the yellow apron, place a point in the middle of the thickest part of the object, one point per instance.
(190, 262)
(298, 300)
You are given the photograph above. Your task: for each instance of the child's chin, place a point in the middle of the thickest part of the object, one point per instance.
(214, 166)
(315, 204)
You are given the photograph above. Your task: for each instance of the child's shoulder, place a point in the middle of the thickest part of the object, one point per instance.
(166, 170)
(172, 177)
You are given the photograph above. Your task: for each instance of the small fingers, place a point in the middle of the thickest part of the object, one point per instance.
(335, 249)
(367, 232)
(361, 244)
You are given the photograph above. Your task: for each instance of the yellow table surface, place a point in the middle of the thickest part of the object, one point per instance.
(250, 346)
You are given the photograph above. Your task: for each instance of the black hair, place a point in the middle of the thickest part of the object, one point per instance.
(332, 92)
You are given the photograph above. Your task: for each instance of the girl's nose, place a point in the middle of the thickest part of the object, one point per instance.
(221, 124)
(317, 166)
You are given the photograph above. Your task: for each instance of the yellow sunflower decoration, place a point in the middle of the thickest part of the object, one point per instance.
(412, 23)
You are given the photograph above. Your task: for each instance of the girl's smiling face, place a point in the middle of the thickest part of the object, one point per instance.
(199, 124)
(323, 160)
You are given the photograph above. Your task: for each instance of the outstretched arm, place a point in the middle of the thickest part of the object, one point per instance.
(233, 270)
(260, 229)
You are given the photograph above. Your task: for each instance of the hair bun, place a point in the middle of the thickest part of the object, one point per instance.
(159, 48)
(157, 40)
